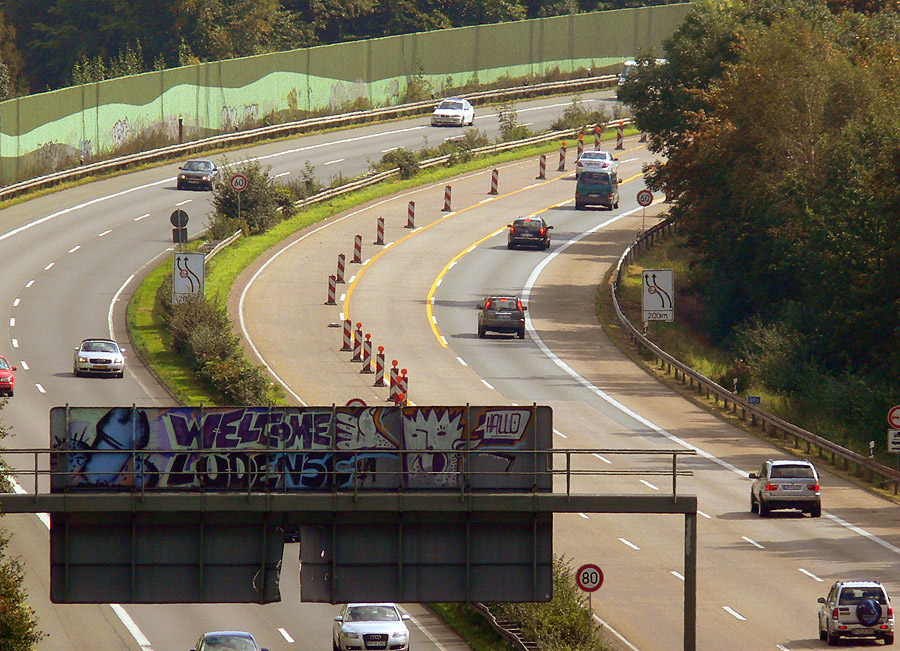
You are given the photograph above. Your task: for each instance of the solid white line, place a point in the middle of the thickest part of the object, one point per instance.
(734, 613)
(431, 637)
(677, 575)
(607, 627)
(181, 203)
(74, 248)
(49, 266)
(461, 361)
(40, 388)
(602, 458)
(106, 232)
(862, 532)
(24, 364)
(332, 162)
(278, 176)
(810, 575)
(752, 542)
(144, 216)
(285, 635)
(136, 632)
(649, 485)
(629, 543)
(485, 383)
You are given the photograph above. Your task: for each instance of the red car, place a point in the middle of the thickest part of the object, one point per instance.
(7, 378)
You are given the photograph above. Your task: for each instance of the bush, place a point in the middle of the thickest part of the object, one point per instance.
(576, 117)
(405, 159)
(509, 124)
(255, 208)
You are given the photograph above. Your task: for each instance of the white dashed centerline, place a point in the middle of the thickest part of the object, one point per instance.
(16, 302)
(734, 613)
(461, 361)
(181, 203)
(558, 433)
(485, 383)
(49, 266)
(602, 458)
(677, 575)
(810, 574)
(630, 544)
(285, 635)
(40, 388)
(137, 219)
(649, 485)
(74, 248)
(752, 542)
(332, 162)
(106, 232)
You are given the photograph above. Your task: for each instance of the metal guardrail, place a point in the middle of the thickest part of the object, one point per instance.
(291, 128)
(770, 424)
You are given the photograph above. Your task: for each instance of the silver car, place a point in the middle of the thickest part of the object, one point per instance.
(785, 484)
(99, 356)
(453, 113)
(363, 627)
(596, 161)
(856, 609)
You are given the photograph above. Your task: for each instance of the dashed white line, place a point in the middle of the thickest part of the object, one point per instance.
(461, 361)
(440, 280)
(487, 384)
(810, 574)
(470, 249)
(677, 575)
(106, 232)
(343, 296)
(704, 515)
(485, 200)
(558, 433)
(12, 321)
(24, 364)
(332, 162)
(144, 216)
(444, 339)
(49, 266)
(16, 302)
(278, 176)
(434, 319)
(367, 261)
(584, 515)
(74, 248)
(432, 302)
(181, 203)
(753, 542)
(15, 343)
(630, 544)
(602, 458)
(29, 283)
(385, 151)
(40, 388)
(132, 627)
(734, 613)
(649, 485)
(285, 635)
(350, 282)
(451, 265)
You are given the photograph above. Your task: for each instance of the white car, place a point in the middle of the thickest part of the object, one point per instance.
(453, 113)
(100, 356)
(856, 609)
(785, 484)
(596, 161)
(363, 627)
(227, 641)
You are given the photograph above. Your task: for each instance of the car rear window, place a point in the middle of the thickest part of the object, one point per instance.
(790, 472)
(596, 177)
(529, 224)
(503, 304)
(858, 595)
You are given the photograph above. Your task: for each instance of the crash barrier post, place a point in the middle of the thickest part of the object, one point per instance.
(379, 232)
(357, 249)
(403, 388)
(580, 145)
(332, 291)
(367, 355)
(411, 215)
(597, 131)
(542, 167)
(340, 268)
(357, 343)
(620, 135)
(379, 367)
(495, 181)
(447, 199)
(348, 335)
(393, 381)
(562, 158)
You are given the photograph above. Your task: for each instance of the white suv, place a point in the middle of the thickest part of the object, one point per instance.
(785, 484)
(856, 609)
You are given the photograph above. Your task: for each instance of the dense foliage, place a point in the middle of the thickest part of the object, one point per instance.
(48, 44)
(778, 123)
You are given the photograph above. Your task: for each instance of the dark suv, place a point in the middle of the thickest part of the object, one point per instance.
(501, 314)
(529, 231)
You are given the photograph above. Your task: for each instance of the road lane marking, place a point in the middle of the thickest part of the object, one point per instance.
(810, 575)
(15, 343)
(677, 575)
(16, 302)
(602, 458)
(74, 248)
(485, 383)
(584, 515)
(285, 635)
(49, 266)
(629, 543)
(181, 203)
(12, 321)
(734, 613)
(752, 542)
(40, 388)
(649, 485)
(606, 627)
(332, 162)
(29, 283)
(106, 232)
(461, 361)
(24, 364)
(560, 434)
(704, 515)
(144, 216)
(278, 176)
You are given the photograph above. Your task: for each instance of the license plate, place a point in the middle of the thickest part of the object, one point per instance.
(503, 317)
(100, 367)
(792, 487)
(376, 645)
(594, 196)
(863, 631)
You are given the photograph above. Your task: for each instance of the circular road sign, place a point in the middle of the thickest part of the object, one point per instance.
(589, 577)
(179, 219)
(894, 417)
(645, 198)
(238, 182)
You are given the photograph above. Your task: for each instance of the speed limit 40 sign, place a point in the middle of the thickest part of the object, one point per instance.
(589, 577)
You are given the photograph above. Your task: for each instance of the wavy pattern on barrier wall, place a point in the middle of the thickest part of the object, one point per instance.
(45, 131)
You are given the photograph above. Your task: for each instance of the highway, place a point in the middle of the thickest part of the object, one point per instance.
(73, 258)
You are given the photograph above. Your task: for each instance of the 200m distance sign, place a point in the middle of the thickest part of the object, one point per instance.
(589, 577)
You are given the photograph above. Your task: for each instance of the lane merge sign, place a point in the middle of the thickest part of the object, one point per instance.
(589, 577)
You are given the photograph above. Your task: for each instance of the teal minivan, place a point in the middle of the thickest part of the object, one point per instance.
(597, 188)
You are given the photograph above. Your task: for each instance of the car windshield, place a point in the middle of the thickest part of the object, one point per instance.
(851, 596)
(228, 643)
(99, 347)
(371, 614)
(596, 177)
(198, 166)
(4, 365)
(792, 472)
(451, 106)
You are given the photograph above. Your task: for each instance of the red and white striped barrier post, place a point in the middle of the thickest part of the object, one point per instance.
(562, 158)
(367, 355)
(620, 135)
(357, 249)
(403, 388)
(332, 291)
(379, 232)
(340, 269)
(348, 335)
(446, 199)
(379, 367)
(580, 145)
(357, 344)
(495, 181)
(542, 167)
(393, 381)
(597, 131)
(411, 215)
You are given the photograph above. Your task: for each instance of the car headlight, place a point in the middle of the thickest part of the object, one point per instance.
(118, 360)
(206, 178)
(399, 634)
(82, 359)
(181, 177)
(350, 635)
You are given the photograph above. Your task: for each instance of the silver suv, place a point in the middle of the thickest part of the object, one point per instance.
(785, 484)
(856, 609)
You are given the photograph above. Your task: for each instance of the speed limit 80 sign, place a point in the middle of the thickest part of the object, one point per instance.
(589, 577)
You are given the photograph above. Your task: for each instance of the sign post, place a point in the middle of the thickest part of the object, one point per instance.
(239, 184)
(589, 577)
(644, 199)
(893, 434)
(179, 220)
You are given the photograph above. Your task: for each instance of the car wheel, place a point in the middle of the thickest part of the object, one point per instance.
(546, 245)
(10, 394)
(889, 639)
(754, 508)
(76, 372)
(823, 634)
(481, 332)
(816, 511)
(178, 186)
(763, 509)
(120, 374)
(833, 639)
(334, 646)
(579, 206)
(521, 333)
(510, 246)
